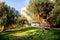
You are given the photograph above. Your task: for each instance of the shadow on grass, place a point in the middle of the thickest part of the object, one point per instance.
(30, 37)
(23, 29)
(36, 35)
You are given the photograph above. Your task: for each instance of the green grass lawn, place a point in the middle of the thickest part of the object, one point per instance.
(29, 33)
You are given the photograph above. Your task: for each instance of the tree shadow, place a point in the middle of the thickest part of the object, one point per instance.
(39, 35)
(29, 37)
(23, 29)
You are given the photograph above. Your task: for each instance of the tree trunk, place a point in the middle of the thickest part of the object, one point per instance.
(42, 25)
(5, 27)
(1, 28)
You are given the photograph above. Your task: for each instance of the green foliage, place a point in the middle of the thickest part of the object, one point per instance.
(55, 14)
(58, 20)
(8, 15)
(4, 20)
(41, 7)
(46, 9)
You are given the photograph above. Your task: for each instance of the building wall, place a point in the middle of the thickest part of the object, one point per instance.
(24, 13)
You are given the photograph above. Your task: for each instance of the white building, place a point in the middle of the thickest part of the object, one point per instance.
(24, 13)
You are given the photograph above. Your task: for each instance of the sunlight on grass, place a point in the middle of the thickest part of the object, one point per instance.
(26, 33)
(19, 28)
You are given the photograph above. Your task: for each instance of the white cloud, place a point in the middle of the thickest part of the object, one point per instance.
(52, 0)
(1, 0)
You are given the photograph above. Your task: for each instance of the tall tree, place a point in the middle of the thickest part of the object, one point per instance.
(8, 15)
(41, 8)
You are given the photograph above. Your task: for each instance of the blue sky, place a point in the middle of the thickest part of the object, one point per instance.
(17, 4)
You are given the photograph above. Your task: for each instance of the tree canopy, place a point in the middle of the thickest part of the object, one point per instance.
(46, 9)
(8, 15)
